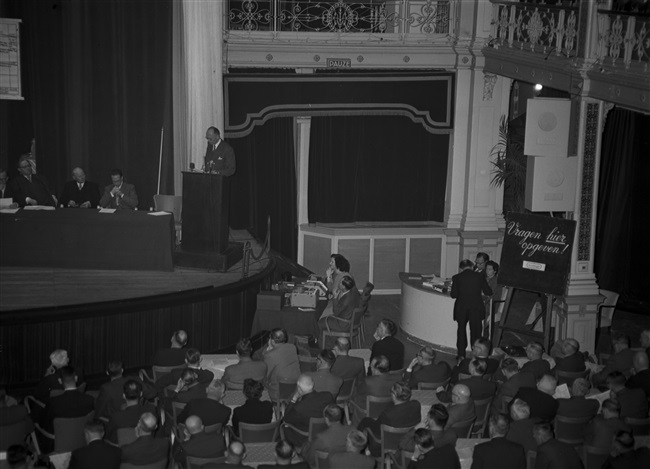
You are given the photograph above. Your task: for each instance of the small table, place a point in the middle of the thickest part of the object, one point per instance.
(217, 364)
(427, 398)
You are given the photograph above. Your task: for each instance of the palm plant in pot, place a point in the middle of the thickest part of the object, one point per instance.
(509, 168)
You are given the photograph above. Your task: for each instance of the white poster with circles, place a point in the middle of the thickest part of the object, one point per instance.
(547, 127)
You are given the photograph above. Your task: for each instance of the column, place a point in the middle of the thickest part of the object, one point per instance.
(303, 128)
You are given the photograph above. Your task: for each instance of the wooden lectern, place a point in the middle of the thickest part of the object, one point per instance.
(206, 198)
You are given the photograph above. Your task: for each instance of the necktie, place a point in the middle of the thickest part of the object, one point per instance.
(80, 185)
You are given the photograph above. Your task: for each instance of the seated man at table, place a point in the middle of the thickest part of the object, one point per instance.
(284, 453)
(426, 456)
(324, 379)
(234, 375)
(402, 413)
(578, 406)
(521, 425)
(388, 345)
(208, 407)
(573, 359)
(499, 452)
(378, 384)
(435, 422)
(424, 369)
(622, 360)
(346, 366)
(479, 387)
(540, 398)
(331, 440)
(537, 365)
(197, 442)
(601, 430)
(480, 349)
(281, 361)
(462, 405)
(304, 404)
(6, 191)
(343, 306)
(175, 354)
(79, 192)
(552, 453)
(146, 449)
(119, 195)
(29, 188)
(353, 456)
(515, 379)
(633, 401)
(192, 361)
(641, 377)
(253, 410)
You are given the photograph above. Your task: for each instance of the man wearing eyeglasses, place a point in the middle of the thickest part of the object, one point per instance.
(29, 188)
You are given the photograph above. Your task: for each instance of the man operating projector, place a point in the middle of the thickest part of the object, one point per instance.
(219, 155)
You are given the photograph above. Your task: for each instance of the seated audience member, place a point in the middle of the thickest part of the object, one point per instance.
(281, 361)
(426, 456)
(479, 387)
(208, 408)
(537, 365)
(332, 440)
(346, 366)
(645, 340)
(388, 345)
(129, 416)
(119, 195)
(424, 369)
(235, 454)
(97, 453)
(462, 405)
(480, 349)
(28, 188)
(305, 404)
(175, 354)
(339, 267)
(540, 398)
(234, 375)
(193, 362)
(573, 359)
(323, 378)
(12, 413)
(284, 453)
(521, 426)
(621, 361)
(343, 307)
(403, 413)
(601, 430)
(146, 449)
(641, 377)
(72, 403)
(378, 384)
(515, 379)
(197, 442)
(578, 406)
(253, 410)
(188, 387)
(624, 456)
(499, 451)
(436, 422)
(79, 192)
(52, 379)
(111, 394)
(633, 401)
(353, 456)
(551, 453)
(6, 192)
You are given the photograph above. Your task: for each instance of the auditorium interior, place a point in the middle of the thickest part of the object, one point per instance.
(371, 129)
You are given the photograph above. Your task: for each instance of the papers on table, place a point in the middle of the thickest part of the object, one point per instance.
(6, 202)
(562, 392)
(107, 210)
(39, 207)
(9, 210)
(157, 214)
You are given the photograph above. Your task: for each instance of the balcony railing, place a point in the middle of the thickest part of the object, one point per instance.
(417, 17)
(623, 39)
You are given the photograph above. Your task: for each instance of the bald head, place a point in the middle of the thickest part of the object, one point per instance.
(640, 361)
(547, 384)
(194, 424)
(342, 346)
(306, 384)
(460, 394)
(236, 451)
(147, 423)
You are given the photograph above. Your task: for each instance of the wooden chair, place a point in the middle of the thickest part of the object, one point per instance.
(58, 392)
(31, 403)
(463, 429)
(569, 377)
(505, 403)
(316, 425)
(321, 460)
(389, 439)
(594, 457)
(571, 430)
(482, 408)
(374, 406)
(307, 364)
(285, 391)
(174, 205)
(353, 332)
(13, 434)
(639, 426)
(68, 433)
(194, 462)
(433, 386)
(177, 408)
(162, 464)
(125, 436)
(344, 396)
(258, 432)
(365, 299)
(157, 372)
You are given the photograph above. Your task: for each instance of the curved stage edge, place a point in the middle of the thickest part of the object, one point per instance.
(130, 330)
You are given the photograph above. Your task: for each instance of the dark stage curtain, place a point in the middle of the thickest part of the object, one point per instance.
(99, 89)
(624, 206)
(375, 168)
(265, 185)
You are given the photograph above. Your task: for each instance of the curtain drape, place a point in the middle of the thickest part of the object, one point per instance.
(624, 206)
(376, 168)
(265, 185)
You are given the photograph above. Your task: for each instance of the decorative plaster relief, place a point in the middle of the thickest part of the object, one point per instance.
(489, 81)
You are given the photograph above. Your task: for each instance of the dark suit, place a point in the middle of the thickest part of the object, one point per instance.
(88, 193)
(640, 380)
(444, 457)
(433, 373)
(96, 455)
(169, 357)
(253, 411)
(246, 368)
(342, 308)
(572, 363)
(354, 460)
(37, 189)
(220, 161)
(209, 410)
(538, 367)
(463, 367)
(557, 455)
(126, 418)
(499, 453)
(70, 404)
(392, 349)
(621, 361)
(201, 445)
(521, 431)
(110, 398)
(639, 457)
(378, 386)
(205, 377)
(633, 403)
(440, 438)
(7, 192)
(511, 387)
(145, 450)
(324, 380)
(601, 431)
(13, 415)
(298, 414)
(332, 440)
(128, 202)
(347, 367)
(404, 415)
(479, 389)
(578, 407)
(281, 365)
(460, 413)
(542, 405)
(466, 287)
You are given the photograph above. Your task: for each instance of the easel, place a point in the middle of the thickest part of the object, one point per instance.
(527, 330)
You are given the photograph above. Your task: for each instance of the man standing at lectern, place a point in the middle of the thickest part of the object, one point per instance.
(219, 155)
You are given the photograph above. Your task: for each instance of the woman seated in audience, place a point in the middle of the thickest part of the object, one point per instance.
(254, 410)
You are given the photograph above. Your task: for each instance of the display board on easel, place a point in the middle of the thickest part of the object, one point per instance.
(536, 256)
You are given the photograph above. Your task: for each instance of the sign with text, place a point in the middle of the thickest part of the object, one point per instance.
(339, 63)
(537, 253)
